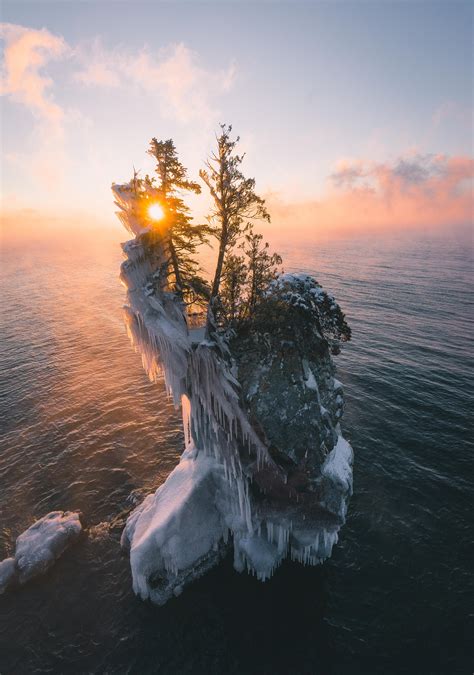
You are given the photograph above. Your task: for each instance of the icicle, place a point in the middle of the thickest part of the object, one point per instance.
(186, 411)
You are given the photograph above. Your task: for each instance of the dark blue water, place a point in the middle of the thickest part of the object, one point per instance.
(83, 429)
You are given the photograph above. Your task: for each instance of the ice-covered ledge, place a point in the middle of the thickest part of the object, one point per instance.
(265, 469)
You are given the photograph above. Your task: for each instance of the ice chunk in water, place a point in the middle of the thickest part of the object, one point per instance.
(41, 544)
(8, 574)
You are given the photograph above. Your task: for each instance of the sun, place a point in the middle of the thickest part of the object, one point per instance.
(155, 211)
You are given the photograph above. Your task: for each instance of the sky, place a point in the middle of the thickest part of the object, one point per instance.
(355, 116)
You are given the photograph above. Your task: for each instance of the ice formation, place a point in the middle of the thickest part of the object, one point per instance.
(38, 548)
(8, 574)
(265, 469)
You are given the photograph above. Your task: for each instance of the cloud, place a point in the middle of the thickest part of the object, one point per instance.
(417, 191)
(415, 169)
(347, 173)
(172, 78)
(99, 74)
(26, 52)
(174, 75)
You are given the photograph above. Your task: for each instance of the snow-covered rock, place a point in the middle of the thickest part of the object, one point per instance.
(38, 547)
(266, 468)
(338, 464)
(175, 534)
(41, 544)
(8, 574)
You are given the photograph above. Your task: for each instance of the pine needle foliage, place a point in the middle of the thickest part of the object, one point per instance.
(235, 203)
(245, 279)
(184, 237)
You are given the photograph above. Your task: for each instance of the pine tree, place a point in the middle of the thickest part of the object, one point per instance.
(245, 278)
(183, 237)
(261, 266)
(235, 203)
(232, 298)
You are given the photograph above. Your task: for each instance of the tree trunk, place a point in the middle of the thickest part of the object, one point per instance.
(218, 273)
(174, 261)
(217, 280)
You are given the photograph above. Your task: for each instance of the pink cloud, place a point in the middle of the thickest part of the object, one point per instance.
(26, 52)
(174, 75)
(417, 191)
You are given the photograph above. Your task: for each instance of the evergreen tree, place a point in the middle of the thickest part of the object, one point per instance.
(261, 266)
(235, 202)
(300, 299)
(232, 298)
(183, 237)
(245, 278)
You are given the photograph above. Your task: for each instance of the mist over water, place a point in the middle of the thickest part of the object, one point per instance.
(82, 428)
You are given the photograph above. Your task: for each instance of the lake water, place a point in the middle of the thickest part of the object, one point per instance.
(82, 428)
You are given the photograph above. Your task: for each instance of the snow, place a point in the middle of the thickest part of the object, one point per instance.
(310, 380)
(197, 334)
(175, 532)
(8, 574)
(158, 332)
(128, 212)
(312, 548)
(295, 285)
(260, 556)
(42, 544)
(338, 464)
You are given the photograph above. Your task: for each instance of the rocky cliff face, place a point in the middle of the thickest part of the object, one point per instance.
(266, 469)
(287, 379)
